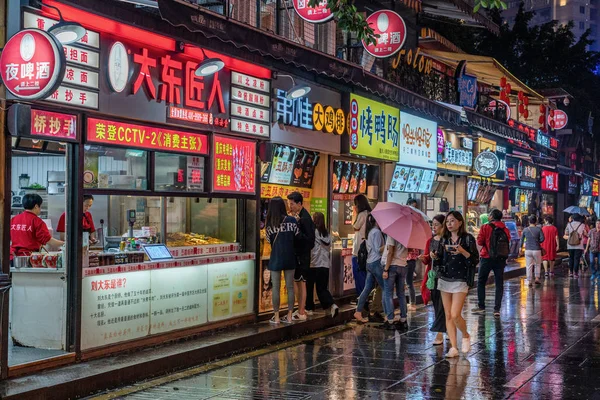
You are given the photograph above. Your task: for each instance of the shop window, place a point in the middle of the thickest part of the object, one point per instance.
(115, 168)
(200, 221)
(581, 9)
(178, 173)
(582, 25)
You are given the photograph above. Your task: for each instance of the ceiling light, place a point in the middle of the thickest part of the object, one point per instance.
(65, 31)
(209, 66)
(297, 91)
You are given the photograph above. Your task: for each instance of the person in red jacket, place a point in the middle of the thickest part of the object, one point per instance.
(28, 233)
(488, 264)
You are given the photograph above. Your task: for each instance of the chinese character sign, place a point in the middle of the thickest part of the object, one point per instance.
(418, 141)
(391, 30)
(53, 125)
(316, 15)
(295, 112)
(145, 137)
(32, 64)
(234, 165)
(550, 180)
(374, 129)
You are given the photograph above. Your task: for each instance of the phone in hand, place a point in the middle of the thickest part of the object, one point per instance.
(451, 248)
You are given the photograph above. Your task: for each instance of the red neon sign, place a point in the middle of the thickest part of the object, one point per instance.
(32, 64)
(145, 137)
(234, 164)
(550, 180)
(53, 125)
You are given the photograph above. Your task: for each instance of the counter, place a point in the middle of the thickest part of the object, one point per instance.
(341, 277)
(131, 301)
(38, 307)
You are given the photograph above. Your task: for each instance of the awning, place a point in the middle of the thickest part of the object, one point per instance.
(487, 69)
(429, 39)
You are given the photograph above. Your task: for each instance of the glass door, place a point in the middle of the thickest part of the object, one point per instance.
(39, 294)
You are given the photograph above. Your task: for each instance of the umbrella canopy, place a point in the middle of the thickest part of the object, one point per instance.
(405, 224)
(577, 210)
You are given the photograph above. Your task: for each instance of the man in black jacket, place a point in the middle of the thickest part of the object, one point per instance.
(304, 245)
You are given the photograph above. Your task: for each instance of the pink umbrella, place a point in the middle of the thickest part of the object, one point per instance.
(404, 223)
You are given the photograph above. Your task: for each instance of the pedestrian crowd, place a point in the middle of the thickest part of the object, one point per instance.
(383, 268)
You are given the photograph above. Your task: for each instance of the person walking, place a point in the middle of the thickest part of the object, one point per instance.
(281, 233)
(303, 250)
(375, 244)
(533, 237)
(394, 274)
(360, 211)
(459, 259)
(431, 258)
(494, 239)
(550, 246)
(318, 274)
(574, 233)
(593, 249)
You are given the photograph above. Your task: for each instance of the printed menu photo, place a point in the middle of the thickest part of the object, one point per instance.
(399, 178)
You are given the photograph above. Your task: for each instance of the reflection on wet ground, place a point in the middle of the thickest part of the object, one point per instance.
(545, 345)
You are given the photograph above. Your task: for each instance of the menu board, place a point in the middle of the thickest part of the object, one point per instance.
(412, 180)
(304, 168)
(282, 164)
(350, 177)
(234, 163)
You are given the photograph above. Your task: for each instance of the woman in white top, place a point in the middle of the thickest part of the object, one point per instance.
(574, 233)
(318, 273)
(360, 212)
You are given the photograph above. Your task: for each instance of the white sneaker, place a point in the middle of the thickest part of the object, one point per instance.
(466, 345)
(334, 310)
(296, 316)
(452, 353)
(309, 312)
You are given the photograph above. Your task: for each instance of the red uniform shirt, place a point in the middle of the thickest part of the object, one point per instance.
(27, 234)
(88, 223)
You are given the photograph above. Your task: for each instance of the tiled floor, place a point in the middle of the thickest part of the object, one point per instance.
(546, 345)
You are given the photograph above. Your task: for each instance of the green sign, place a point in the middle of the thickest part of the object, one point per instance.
(319, 204)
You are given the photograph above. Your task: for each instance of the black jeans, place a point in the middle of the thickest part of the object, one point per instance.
(486, 266)
(574, 260)
(320, 278)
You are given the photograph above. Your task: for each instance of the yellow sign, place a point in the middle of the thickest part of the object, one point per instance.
(221, 304)
(422, 64)
(340, 121)
(329, 119)
(318, 117)
(268, 191)
(240, 301)
(374, 129)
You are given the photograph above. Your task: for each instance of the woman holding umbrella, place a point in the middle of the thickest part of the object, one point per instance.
(459, 258)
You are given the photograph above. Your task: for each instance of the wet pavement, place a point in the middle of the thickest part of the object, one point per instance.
(545, 345)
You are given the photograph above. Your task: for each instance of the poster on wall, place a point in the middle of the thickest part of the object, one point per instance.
(234, 165)
(418, 142)
(282, 164)
(374, 129)
(349, 177)
(230, 290)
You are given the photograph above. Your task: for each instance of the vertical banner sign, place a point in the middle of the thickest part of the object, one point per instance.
(467, 89)
(374, 129)
(234, 163)
(318, 14)
(391, 30)
(32, 64)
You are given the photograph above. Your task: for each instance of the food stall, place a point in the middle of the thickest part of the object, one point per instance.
(170, 159)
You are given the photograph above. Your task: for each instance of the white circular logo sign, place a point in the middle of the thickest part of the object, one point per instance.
(118, 67)
(27, 47)
(487, 163)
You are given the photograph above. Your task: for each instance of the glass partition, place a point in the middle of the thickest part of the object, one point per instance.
(115, 168)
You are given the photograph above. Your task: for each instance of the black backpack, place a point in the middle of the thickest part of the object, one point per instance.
(362, 255)
(499, 243)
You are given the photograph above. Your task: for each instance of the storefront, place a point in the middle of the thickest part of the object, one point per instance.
(455, 159)
(484, 188)
(166, 145)
(549, 185)
(306, 134)
(524, 194)
(586, 198)
(372, 145)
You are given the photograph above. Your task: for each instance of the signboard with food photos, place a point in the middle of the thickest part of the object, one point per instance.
(290, 166)
(349, 177)
(412, 180)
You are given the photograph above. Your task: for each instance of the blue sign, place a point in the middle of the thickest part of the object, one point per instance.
(467, 89)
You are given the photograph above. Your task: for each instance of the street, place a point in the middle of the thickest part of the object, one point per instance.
(544, 345)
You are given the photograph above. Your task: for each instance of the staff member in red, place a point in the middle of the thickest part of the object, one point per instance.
(88, 220)
(28, 233)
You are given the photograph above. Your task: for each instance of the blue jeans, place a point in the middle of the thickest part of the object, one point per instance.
(359, 276)
(374, 275)
(594, 263)
(397, 277)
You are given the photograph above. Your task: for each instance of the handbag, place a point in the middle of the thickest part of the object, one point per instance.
(431, 277)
